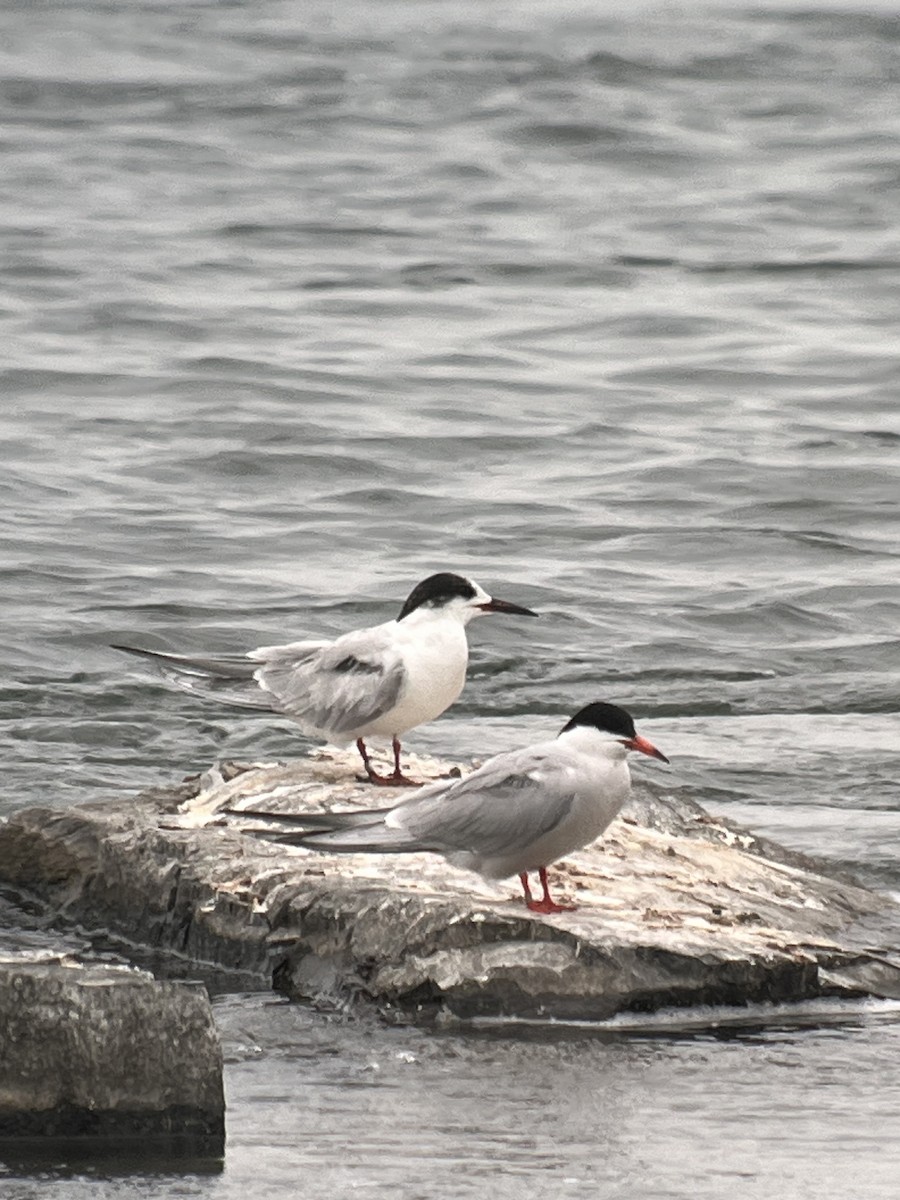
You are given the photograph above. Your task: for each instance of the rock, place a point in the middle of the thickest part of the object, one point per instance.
(675, 907)
(106, 1051)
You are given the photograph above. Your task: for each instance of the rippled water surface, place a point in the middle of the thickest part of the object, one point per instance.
(301, 302)
(330, 1109)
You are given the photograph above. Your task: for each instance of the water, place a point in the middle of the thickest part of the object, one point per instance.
(329, 1109)
(299, 303)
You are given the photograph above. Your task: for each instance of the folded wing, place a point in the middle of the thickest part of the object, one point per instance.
(335, 688)
(329, 688)
(501, 809)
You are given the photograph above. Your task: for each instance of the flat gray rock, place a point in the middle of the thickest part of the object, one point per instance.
(105, 1051)
(674, 906)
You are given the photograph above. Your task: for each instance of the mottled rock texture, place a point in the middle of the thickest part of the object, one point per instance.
(675, 907)
(105, 1051)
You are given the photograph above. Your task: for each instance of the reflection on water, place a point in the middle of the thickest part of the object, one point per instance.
(789, 1103)
(84, 1159)
(653, 1115)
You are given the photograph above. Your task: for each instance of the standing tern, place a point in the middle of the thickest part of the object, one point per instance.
(519, 812)
(380, 681)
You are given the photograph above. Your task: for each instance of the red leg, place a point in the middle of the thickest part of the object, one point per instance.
(546, 904)
(398, 779)
(523, 879)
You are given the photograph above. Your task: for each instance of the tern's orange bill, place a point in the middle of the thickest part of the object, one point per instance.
(645, 747)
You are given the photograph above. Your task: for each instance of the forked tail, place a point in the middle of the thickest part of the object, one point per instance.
(229, 679)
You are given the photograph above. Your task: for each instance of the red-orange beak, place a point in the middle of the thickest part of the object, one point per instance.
(645, 747)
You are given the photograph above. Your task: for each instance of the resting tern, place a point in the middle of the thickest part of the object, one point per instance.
(519, 812)
(380, 681)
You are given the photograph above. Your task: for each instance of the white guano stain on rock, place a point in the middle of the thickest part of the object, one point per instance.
(675, 908)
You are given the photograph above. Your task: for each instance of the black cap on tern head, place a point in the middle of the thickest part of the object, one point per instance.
(437, 590)
(608, 718)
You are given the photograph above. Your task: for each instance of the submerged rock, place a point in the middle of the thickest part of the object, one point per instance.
(675, 907)
(106, 1051)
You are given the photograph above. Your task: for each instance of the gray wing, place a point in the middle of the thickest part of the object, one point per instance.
(500, 809)
(504, 807)
(333, 687)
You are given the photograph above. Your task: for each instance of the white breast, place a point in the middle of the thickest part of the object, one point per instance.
(435, 655)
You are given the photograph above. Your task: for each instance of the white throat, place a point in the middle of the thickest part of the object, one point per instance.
(590, 740)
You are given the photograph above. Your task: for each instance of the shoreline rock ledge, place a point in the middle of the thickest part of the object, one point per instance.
(675, 908)
(102, 1050)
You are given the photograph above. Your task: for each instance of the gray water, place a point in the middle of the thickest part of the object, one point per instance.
(301, 302)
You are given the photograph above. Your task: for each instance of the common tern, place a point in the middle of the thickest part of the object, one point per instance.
(375, 682)
(519, 812)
